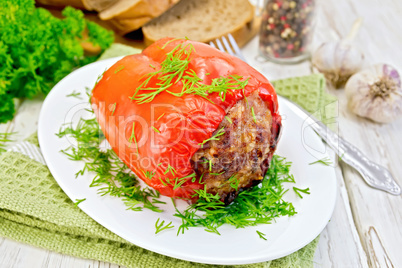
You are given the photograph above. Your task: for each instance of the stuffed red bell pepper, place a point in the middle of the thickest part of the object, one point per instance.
(185, 116)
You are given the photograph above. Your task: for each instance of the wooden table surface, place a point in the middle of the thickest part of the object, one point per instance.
(366, 226)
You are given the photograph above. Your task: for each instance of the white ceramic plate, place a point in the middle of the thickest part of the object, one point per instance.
(299, 144)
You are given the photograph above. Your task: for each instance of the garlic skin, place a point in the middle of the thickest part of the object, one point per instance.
(338, 61)
(376, 93)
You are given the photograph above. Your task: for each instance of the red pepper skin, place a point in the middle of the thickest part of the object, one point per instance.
(169, 129)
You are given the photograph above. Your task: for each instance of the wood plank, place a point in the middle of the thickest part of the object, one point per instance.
(377, 214)
(339, 244)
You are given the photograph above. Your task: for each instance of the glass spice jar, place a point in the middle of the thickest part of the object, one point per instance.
(286, 30)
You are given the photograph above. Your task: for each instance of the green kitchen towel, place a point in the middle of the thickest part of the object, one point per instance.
(35, 210)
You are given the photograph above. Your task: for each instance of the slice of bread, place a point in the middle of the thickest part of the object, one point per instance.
(203, 20)
(125, 15)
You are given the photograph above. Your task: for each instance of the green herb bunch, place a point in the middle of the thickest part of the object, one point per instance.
(37, 49)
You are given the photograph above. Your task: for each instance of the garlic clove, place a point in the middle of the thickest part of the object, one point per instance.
(376, 93)
(337, 60)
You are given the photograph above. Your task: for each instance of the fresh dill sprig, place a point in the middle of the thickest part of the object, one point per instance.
(149, 174)
(119, 69)
(114, 108)
(161, 226)
(214, 137)
(298, 191)
(78, 201)
(170, 169)
(133, 137)
(178, 182)
(99, 78)
(155, 129)
(325, 161)
(229, 120)
(217, 174)
(75, 95)
(234, 182)
(252, 112)
(160, 117)
(261, 235)
(209, 162)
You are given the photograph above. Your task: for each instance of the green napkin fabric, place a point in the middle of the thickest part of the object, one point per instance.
(35, 210)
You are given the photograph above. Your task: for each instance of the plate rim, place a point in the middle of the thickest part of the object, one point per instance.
(238, 260)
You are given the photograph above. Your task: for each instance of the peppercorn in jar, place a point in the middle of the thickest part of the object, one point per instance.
(286, 30)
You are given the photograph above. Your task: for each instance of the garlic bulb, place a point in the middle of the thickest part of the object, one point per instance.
(376, 93)
(338, 60)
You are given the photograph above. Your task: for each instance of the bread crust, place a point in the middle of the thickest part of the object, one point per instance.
(242, 30)
(127, 18)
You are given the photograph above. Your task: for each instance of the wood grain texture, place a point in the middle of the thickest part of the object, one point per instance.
(366, 227)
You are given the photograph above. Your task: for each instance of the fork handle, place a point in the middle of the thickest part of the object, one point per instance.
(375, 175)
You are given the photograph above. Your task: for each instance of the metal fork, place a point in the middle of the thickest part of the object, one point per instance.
(232, 48)
(375, 175)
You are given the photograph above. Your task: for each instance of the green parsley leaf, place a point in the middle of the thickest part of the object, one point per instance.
(37, 49)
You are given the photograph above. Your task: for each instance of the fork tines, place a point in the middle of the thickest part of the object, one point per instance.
(230, 46)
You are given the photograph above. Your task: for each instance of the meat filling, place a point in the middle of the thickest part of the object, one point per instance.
(239, 157)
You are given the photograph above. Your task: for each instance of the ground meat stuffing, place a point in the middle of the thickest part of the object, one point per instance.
(239, 158)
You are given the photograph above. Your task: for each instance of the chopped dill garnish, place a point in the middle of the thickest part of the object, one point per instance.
(170, 169)
(152, 66)
(217, 174)
(161, 226)
(78, 201)
(179, 182)
(298, 190)
(4, 138)
(209, 162)
(252, 112)
(228, 118)
(112, 176)
(214, 137)
(174, 69)
(149, 174)
(261, 235)
(75, 95)
(257, 205)
(98, 79)
(119, 69)
(253, 206)
(155, 129)
(114, 107)
(234, 182)
(133, 137)
(160, 117)
(325, 161)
